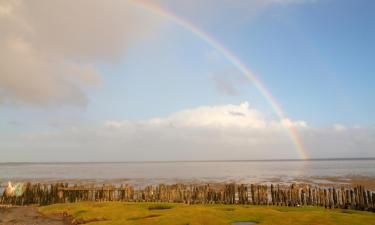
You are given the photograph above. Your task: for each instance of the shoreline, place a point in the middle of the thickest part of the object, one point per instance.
(324, 181)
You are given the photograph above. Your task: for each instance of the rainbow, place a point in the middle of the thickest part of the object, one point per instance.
(160, 11)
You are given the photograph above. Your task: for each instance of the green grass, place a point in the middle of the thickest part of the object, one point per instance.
(182, 214)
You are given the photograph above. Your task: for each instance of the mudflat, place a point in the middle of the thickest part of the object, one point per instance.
(27, 216)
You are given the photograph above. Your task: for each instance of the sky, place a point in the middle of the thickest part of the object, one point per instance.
(92, 80)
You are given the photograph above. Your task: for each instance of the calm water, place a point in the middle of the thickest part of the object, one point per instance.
(171, 172)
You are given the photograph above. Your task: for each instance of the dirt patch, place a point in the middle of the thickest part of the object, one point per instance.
(27, 216)
(31, 216)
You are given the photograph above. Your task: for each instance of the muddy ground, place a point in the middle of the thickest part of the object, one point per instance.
(28, 216)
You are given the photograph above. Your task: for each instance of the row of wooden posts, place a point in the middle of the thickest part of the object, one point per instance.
(284, 195)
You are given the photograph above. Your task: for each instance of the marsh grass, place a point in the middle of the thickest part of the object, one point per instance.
(117, 213)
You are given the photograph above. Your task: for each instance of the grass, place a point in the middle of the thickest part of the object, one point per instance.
(117, 213)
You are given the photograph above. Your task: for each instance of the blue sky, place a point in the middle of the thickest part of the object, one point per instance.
(316, 59)
(315, 56)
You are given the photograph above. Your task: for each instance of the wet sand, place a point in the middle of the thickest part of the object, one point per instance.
(28, 216)
(368, 182)
(345, 181)
(140, 174)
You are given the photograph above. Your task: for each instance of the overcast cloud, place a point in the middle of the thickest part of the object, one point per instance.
(48, 48)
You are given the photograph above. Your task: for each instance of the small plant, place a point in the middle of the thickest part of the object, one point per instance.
(347, 211)
(228, 209)
(160, 207)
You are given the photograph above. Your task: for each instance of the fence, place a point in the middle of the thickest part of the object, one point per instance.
(283, 195)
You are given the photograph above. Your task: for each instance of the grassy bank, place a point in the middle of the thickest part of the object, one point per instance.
(182, 214)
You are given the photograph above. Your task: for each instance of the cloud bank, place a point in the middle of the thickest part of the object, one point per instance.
(202, 133)
(240, 116)
(48, 48)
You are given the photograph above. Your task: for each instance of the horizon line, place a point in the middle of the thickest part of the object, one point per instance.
(187, 161)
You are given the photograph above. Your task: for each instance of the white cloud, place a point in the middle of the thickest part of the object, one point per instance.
(113, 124)
(213, 117)
(48, 48)
(288, 123)
(339, 127)
(203, 133)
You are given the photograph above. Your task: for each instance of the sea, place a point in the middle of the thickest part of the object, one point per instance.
(150, 173)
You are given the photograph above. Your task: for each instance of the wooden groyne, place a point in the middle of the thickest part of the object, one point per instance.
(256, 194)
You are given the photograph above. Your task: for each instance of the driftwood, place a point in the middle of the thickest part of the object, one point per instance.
(282, 195)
